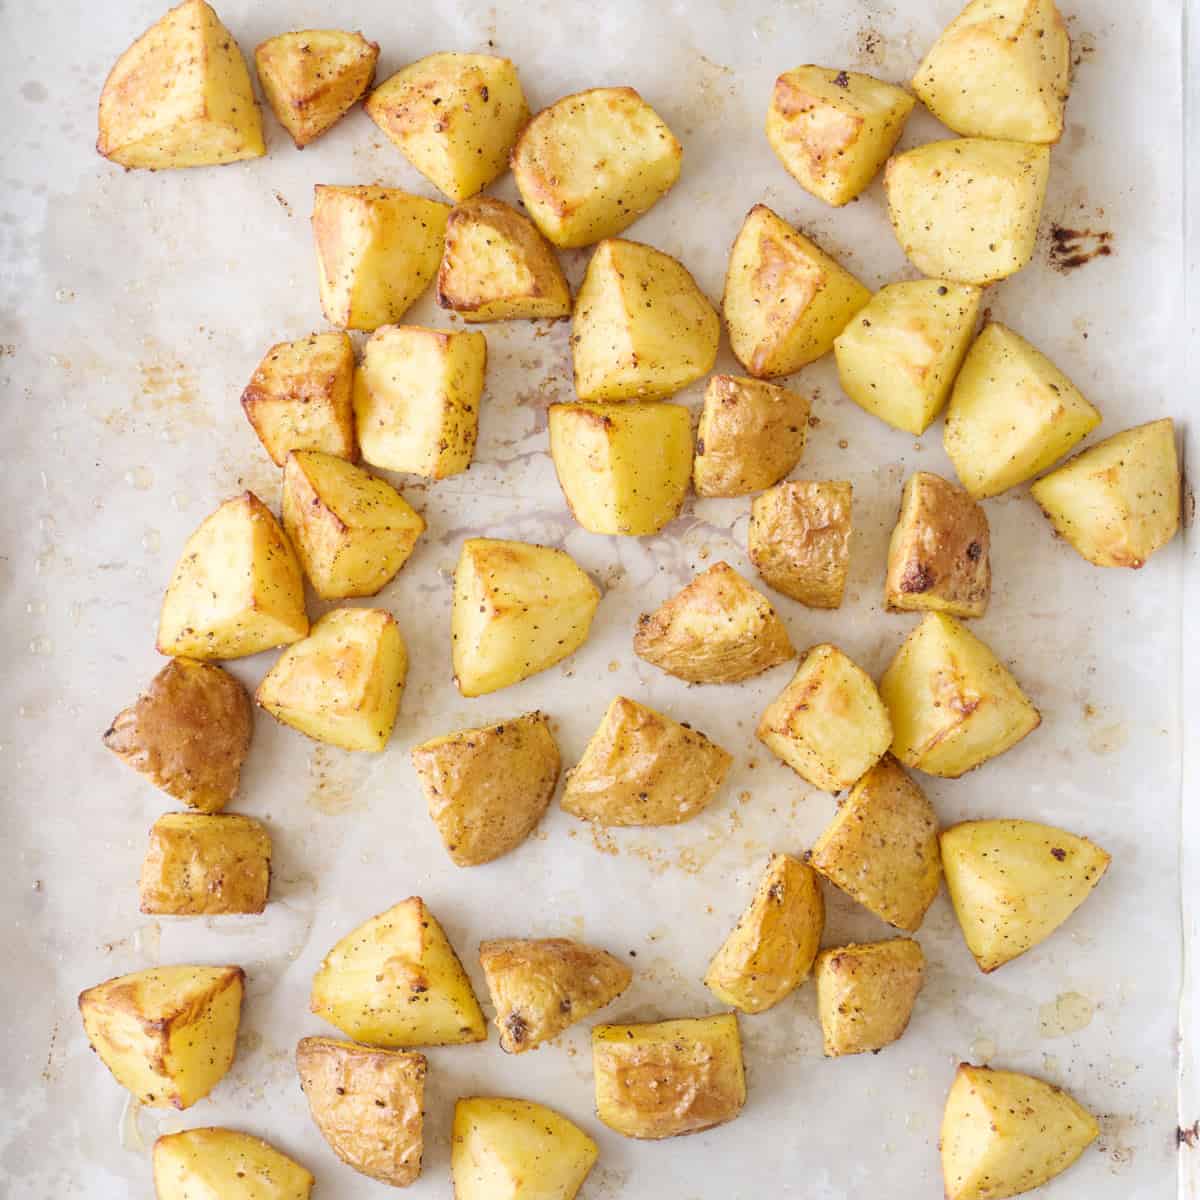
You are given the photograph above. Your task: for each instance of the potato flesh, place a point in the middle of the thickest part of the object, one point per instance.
(799, 539)
(866, 993)
(217, 1164)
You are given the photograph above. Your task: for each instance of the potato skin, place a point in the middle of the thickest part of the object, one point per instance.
(865, 994)
(217, 1164)
(799, 539)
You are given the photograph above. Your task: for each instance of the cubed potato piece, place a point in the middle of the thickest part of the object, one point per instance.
(799, 539)
(342, 684)
(771, 949)
(881, 848)
(203, 865)
(167, 1034)
(866, 993)
(540, 986)
(455, 117)
(1118, 502)
(497, 267)
(1004, 1133)
(717, 630)
(300, 398)
(396, 982)
(1001, 69)
(952, 702)
(967, 209)
(623, 468)
(219, 1164)
(188, 733)
(180, 96)
(751, 435)
(665, 1078)
(1013, 883)
(641, 768)
(504, 1149)
(1012, 414)
(378, 249)
(785, 298)
(237, 588)
(829, 724)
(367, 1103)
(487, 788)
(589, 165)
(352, 532)
(939, 557)
(416, 399)
(642, 328)
(312, 78)
(833, 130)
(898, 358)
(517, 610)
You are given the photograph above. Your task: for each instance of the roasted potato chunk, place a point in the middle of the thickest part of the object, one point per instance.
(770, 951)
(168, 1034)
(589, 165)
(395, 981)
(717, 630)
(367, 1105)
(641, 768)
(1118, 502)
(865, 994)
(833, 130)
(487, 788)
(237, 588)
(799, 539)
(540, 986)
(662, 1079)
(188, 733)
(180, 96)
(219, 1164)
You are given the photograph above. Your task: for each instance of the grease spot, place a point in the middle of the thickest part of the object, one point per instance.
(33, 91)
(1067, 1013)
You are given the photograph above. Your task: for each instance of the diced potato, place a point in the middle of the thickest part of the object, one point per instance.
(497, 267)
(662, 1079)
(967, 209)
(770, 951)
(517, 610)
(219, 1164)
(367, 1105)
(865, 994)
(898, 358)
(799, 539)
(952, 702)
(751, 435)
(180, 96)
(589, 165)
(416, 399)
(487, 788)
(785, 298)
(237, 588)
(167, 1034)
(1118, 502)
(642, 329)
(717, 630)
(455, 117)
(1001, 69)
(509, 1149)
(641, 768)
(833, 130)
(624, 468)
(829, 724)
(188, 733)
(312, 78)
(378, 249)
(540, 986)
(203, 865)
(1013, 883)
(939, 557)
(1004, 1133)
(300, 398)
(881, 848)
(395, 981)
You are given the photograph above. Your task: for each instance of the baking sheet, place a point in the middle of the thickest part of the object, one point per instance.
(134, 307)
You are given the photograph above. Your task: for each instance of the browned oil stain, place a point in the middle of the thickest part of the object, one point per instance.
(281, 200)
(167, 385)
(1071, 248)
(331, 787)
(869, 44)
(1188, 1135)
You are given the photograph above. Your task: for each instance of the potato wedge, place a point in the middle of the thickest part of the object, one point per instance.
(219, 1164)
(771, 950)
(866, 993)
(167, 1034)
(589, 165)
